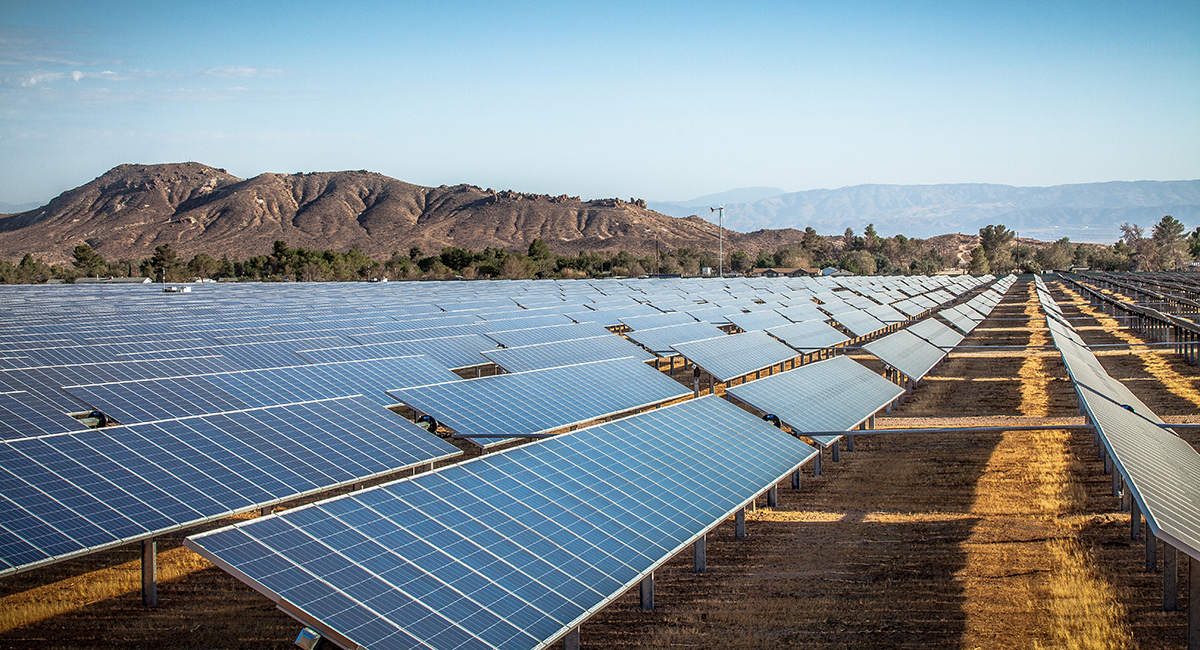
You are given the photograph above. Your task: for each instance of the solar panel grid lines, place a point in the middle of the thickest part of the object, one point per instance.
(600, 505)
(74, 493)
(808, 336)
(547, 334)
(757, 320)
(906, 352)
(533, 402)
(561, 353)
(729, 357)
(859, 323)
(24, 414)
(936, 333)
(660, 340)
(836, 394)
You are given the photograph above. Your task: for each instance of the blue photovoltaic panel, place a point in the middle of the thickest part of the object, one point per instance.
(730, 357)
(660, 339)
(548, 334)
(808, 335)
(453, 352)
(906, 352)
(657, 320)
(936, 333)
(802, 313)
(47, 382)
(24, 415)
(886, 314)
(164, 399)
(514, 549)
(539, 401)
(70, 494)
(562, 353)
(860, 323)
(757, 320)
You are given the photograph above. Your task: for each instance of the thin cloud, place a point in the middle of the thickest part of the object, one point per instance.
(240, 72)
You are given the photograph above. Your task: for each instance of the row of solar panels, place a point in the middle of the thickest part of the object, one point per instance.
(1161, 470)
(517, 548)
(36, 517)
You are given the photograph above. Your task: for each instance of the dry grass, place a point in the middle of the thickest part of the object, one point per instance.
(1085, 611)
(77, 592)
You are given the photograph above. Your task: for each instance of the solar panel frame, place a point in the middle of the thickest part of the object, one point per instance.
(906, 352)
(808, 336)
(562, 353)
(729, 357)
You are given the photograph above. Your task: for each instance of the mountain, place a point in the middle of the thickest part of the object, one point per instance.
(739, 195)
(12, 208)
(131, 209)
(1090, 212)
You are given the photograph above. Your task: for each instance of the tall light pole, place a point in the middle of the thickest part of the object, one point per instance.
(720, 238)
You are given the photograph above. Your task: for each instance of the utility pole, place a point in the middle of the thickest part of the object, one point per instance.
(720, 238)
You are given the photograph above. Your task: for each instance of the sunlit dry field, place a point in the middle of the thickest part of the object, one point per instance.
(1008, 540)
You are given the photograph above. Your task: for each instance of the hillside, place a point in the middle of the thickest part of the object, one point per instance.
(131, 209)
(1090, 212)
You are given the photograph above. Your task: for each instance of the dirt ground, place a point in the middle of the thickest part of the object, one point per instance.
(1008, 540)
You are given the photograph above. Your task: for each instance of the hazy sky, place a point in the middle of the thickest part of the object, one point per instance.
(664, 101)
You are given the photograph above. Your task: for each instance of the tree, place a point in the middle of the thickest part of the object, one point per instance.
(203, 265)
(166, 262)
(539, 249)
(1173, 251)
(994, 239)
(1057, 256)
(740, 262)
(979, 261)
(858, 262)
(870, 237)
(812, 243)
(88, 261)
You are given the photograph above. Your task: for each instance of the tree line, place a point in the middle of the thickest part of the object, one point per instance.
(1167, 247)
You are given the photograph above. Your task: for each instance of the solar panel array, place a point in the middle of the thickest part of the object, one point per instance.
(515, 549)
(836, 394)
(661, 339)
(809, 335)
(936, 333)
(539, 401)
(1161, 469)
(149, 400)
(561, 353)
(906, 352)
(69, 494)
(730, 357)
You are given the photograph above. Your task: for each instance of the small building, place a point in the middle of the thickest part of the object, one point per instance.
(776, 272)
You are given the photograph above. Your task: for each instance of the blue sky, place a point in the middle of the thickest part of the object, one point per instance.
(664, 101)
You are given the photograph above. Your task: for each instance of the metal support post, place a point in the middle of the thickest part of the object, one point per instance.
(739, 524)
(817, 462)
(149, 572)
(699, 550)
(1170, 577)
(1193, 642)
(773, 497)
(1151, 551)
(571, 640)
(648, 592)
(835, 453)
(1135, 516)
(796, 479)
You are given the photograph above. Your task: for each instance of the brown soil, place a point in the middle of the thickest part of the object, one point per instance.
(1008, 540)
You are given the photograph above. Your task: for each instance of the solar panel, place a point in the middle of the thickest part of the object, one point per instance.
(802, 313)
(906, 352)
(562, 353)
(453, 352)
(151, 400)
(510, 550)
(757, 320)
(70, 494)
(729, 357)
(860, 323)
(660, 339)
(837, 394)
(936, 333)
(886, 314)
(808, 335)
(657, 320)
(47, 382)
(24, 414)
(539, 401)
(547, 334)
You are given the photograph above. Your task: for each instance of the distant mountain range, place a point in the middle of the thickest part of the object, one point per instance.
(10, 208)
(131, 209)
(1090, 212)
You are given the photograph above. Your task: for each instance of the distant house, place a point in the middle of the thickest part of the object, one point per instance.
(778, 272)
